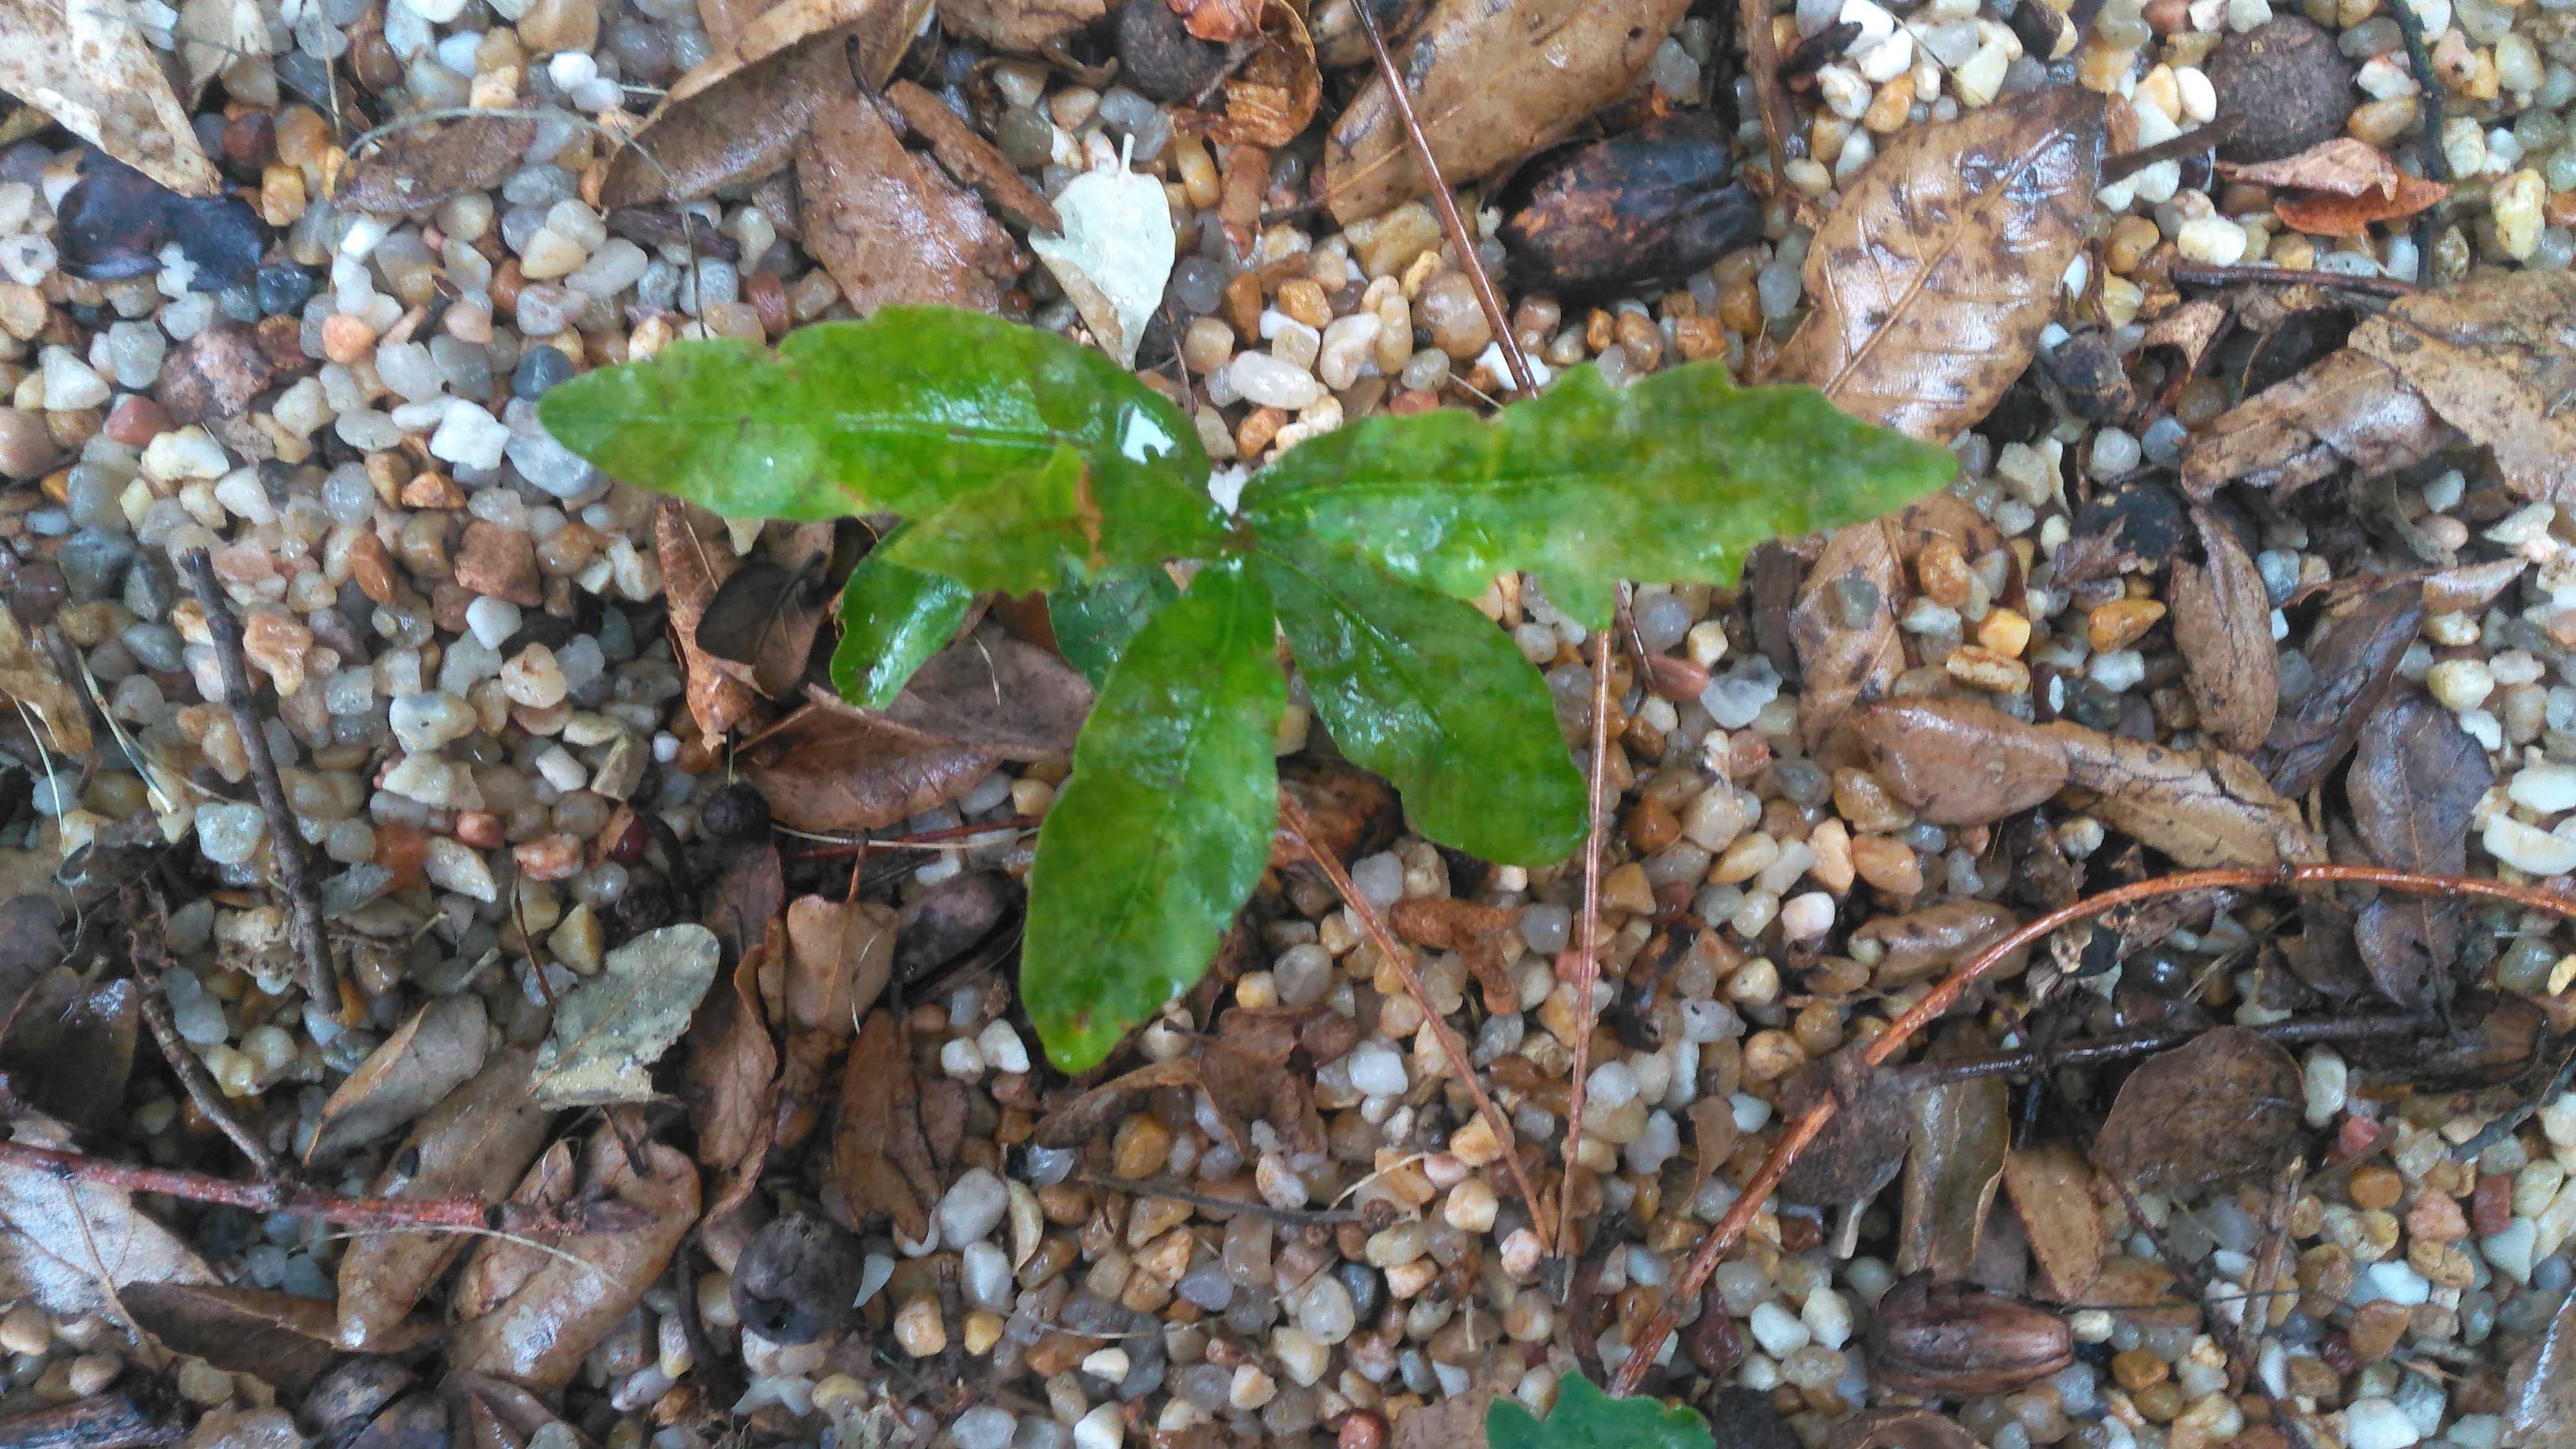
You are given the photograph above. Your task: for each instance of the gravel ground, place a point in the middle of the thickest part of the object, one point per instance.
(462, 623)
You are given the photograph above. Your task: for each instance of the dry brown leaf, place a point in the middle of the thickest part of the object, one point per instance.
(2540, 1391)
(2354, 653)
(1959, 1132)
(538, 1337)
(2323, 214)
(1861, 1149)
(422, 165)
(1933, 277)
(881, 1151)
(889, 225)
(2189, 329)
(2492, 358)
(2349, 410)
(1956, 761)
(692, 567)
(492, 1275)
(27, 679)
(440, 1048)
(610, 1030)
(1490, 82)
(70, 1244)
(737, 115)
(86, 64)
(837, 770)
(950, 919)
(2204, 808)
(476, 1142)
(1929, 940)
(2470, 586)
(972, 159)
(1271, 97)
(725, 19)
(2052, 1190)
(1223, 21)
(2343, 166)
(1901, 1429)
(990, 691)
(1026, 26)
(760, 625)
(1350, 812)
(2222, 623)
(278, 1338)
(1847, 662)
(2415, 781)
(839, 957)
(2225, 1105)
(212, 35)
(730, 1080)
(68, 1049)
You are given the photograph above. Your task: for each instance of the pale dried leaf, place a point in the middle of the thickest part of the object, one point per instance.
(27, 679)
(2348, 410)
(2354, 216)
(1114, 255)
(887, 223)
(881, 1154)
(1490, 83)
(71, 1245)
(2342, 166)
(440, 1048)
(2222, 623)
(2492, 358)
(1933, 277)
(86, 64)
(692, 567)
(611, 1029)
(2202, 808)
(213, 34)
(1844, 625)
(2053, 1190)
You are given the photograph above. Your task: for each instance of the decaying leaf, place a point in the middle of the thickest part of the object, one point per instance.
(2225, 1105)
(436, 1051)
(759, 626)
(972, 159)
(1930, 940)
(1933, 277)
(1661, 201)
(730, 1080)
(588, 1281)
(839, 957)
(2222, 623)
(2326, 214)
(1024, 26)
(1114, 255)
(2349, 410)
(737, 115)
(610, 1030)
(1901, 1429)
(212, 35)
(1958, 1133)
(283, 1340)
(476, 1142)
(798, 1278)
(1490, 84)
(1238, 1088)
(2343, 166)
(992, 692)
(2540, 1392)
(69, 1244)
(1944, 1341)
(830, 769)
(86, 64)
(888, 223)
(2053, 1191)
(2492, 358)
(27, 677)
(2415, 781)
(1958, 762)
(1845, 628)
(881, 1152)
(419, 166)
(68, 1049)
(489, 1278)
(2355, 653)
(1272, 96)
(692, 567)
(2203, 808)
(1861, 1149)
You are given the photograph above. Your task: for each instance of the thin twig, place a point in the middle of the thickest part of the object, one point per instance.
(1451, 223)
(1770, 96)
(1925, 1075)
(1585, 963)
(374, 1214)
(151, 965)
(1166, 1188)
(2504, 1126)
(286, 847)
(1799, 1133)
(2120, 168)
(1292, 816)
(2428, 148)
(2200, 275)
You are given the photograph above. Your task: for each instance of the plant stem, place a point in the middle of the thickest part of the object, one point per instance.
(285, 846)
(1584, 974)
(1451, 223)
(1924, 1075)
(1799, 1133)
(1770, 95)
(1461, 1064)
(1166, 1188)
(152, 962)
(2200, 275)
(364, 1213)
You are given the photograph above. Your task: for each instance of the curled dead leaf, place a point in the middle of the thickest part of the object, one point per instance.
(1844, 625)
(1958, 1133)
(2328, 214)
(2222, 622)
(730, 1080)
(2055, 1193)
(839, 957)
(279, 1338)
(834, 769)
(2354, 653)
(2492, 358)
(2416, 780)
(1934, 275)
(1955, 761)
(2225, 1105)
(1271, 98)
(887, 222)
(439, 1049)
(2202, 808)
(692, 567)
(881, 1153)
(972, 159)
(1948, 1342)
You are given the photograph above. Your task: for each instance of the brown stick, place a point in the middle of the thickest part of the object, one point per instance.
(1762, 65)
(2171, 148)
(2201, 275)
(1924, 1075)
(1292, 816)
(365, 1213)
(109, 1421)
(1164, 1187)
(304, 902)
(1451, 223)
(1585, 962)
(151, 963)
(1799, 1133)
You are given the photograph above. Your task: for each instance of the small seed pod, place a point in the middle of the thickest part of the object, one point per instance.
(1947, 1342)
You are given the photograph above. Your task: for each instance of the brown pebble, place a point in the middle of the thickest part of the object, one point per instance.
(2376, 1328)
(347, 339)
(372, 566)
(214, 374)
(432, 490)
(26, 444)
(500, 562)
(2491, 1206)
(2436, 1218)
(2376, 1188)
(1651, 825)
(136, 420)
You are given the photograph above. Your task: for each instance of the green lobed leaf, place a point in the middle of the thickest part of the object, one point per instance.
(1672, 479)
(1033, 530)
(1429, 693)
(1165, 825)
(1093, 621)
(892, 619)
(1587, 1418)
(907, 412)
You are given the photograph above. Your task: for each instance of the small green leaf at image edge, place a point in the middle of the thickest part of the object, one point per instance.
(892, 620)
(1587, 1418)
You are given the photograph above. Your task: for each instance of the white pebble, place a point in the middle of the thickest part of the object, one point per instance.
(1780, 1332)
(2527, 848)
(1377, 1070)
(2377, 1423)
(972, 1208)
